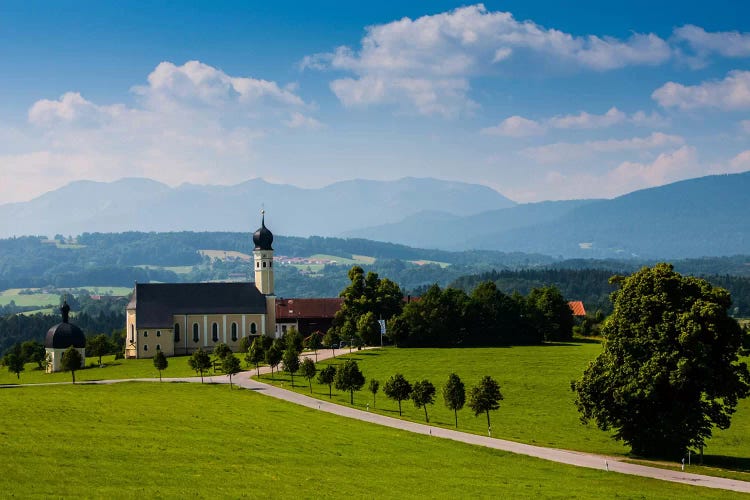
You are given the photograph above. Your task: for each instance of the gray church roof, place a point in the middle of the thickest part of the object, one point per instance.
(156, 303)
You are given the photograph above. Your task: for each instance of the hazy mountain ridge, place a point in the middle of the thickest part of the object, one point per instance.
(146, 205)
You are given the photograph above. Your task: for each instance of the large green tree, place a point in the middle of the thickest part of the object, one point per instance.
(33, 352)
(367, 293)
(454, 394)
(349, 378)
(437, 319)
(221, 351)
(485, 397)
(397, 388)
(98, 345)
(160, 362)
(423, 394)
(200, 361)
(550, 313)
(71, 361)
(669, 371)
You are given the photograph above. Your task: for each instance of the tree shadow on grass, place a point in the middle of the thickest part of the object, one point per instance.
(739, 464)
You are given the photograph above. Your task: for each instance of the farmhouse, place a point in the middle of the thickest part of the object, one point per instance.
(179, 318)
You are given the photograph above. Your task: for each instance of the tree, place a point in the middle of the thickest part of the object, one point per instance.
(244, 344)
(71, 361)
(374, 387)
(14, 361)
(231, 366)
(485, 397)
(33, 352)
(454, 394)
(221, 351)
(291, 361)
(160, 362)
(293, 338)
(98, 346)
(273, 357)
(550, 313)
(308, 371)
(368, 328)
(423, 394)
(331, 339)
(669, 370)
(349, 378)
(313, 342)
(255, 354)
(326, 376)
(398, 389)
(437, 319)
(200, 361)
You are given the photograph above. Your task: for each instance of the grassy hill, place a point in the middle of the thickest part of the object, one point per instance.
(187, 440)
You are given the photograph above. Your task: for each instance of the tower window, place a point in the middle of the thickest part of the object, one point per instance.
(145, 347)
(176, 332)
(234, 332)
(132, 334)
(145, 334)
(215, 332)
(257, 264)
(196, 332)
(264, 264)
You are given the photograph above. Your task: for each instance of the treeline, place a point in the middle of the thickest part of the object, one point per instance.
(592, 285)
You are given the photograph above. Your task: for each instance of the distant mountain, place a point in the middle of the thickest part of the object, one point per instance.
(700, 217)
(146, 205)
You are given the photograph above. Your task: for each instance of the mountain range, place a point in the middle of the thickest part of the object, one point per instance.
(693, 218)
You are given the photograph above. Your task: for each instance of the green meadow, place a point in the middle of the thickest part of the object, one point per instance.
(169, 440)
(538, 403)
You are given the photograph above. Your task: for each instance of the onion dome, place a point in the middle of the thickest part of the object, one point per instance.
(263, 238)
(65, 334)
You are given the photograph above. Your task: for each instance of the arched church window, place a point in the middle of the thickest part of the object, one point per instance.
(264, 264)
(145, 347)
(145, 334)
(234, 332)
(196, 332)
(176, 332)
(158, 347)
(132, 333)
(215, 332)
(158, 333)
(253, 328)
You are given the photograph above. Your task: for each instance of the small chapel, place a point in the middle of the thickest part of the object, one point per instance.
(179, 318)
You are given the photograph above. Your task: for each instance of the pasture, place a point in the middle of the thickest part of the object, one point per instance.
(538, 406)
(189, 440)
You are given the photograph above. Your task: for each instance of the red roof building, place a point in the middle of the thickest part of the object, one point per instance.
(576, 306)
(306, 315)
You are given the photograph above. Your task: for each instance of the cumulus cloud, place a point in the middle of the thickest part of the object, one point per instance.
(566, 151)
(427, 62)
(731, 93)
(739, 163)
(190, 123)
(585, 120)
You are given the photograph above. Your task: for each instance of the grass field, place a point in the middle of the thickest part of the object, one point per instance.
(24, 300)
(225, 254)
(152, 440)
(112, 369)
(538, 406)
(174, 269)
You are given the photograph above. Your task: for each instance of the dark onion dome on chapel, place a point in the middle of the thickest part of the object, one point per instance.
(65, 334)
(263, 238)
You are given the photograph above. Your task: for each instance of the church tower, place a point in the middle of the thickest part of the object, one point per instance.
(263, 257)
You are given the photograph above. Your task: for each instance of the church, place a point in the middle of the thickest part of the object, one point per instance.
(180, 318)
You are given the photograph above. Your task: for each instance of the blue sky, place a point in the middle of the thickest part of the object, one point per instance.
(539, 100)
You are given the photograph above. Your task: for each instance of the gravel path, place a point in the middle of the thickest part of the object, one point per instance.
(579, 459)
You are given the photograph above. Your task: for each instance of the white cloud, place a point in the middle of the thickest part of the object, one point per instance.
(566, 151)
(740, 163)
(585, 120)
(518, 126)
(515, 126)
(703, 43)
(298, 120)
(191, 123)
(426, 63)
(731, 93)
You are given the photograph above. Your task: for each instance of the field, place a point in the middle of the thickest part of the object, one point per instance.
(538, 406)
(189, 440)
(225, 255)
(41, 299)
